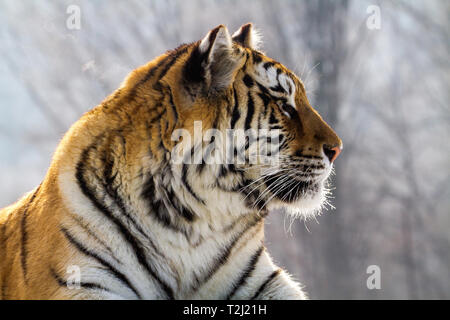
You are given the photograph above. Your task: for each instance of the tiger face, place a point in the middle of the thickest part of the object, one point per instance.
(228, 85)
(307, 145)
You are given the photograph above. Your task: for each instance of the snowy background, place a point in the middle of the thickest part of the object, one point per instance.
(384, 88)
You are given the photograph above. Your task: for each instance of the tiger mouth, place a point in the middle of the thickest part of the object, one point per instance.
(290, 189)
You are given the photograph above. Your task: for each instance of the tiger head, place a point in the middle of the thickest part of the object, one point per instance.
(224, 83)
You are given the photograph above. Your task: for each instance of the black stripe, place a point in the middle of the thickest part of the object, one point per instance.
(207, 154)
(187, 214)
(138, 250)
(223, 171)
(158, 116)
(193, 72)
(173, 54)
(298, 153)
(158, 208)
(119, 275)
(146, 78)
(23, 251)
(161, 213)
(174, 109)
(86, 229)
(223, 256)
(249, 140)
(256, 57)
(291, 111)
(200, 167)
(86, 285)
(187, 185)
(266, 100)
(160, 131)
(236, 114)
(278, 88)
(266, 283)
(148, 191)
(23, 229)
(180, 209)
(263, 89)
(247, 272)
(232, 168)
(250, 111)
(267, 65)
(248, 81)
(113, 193)
(118, 200)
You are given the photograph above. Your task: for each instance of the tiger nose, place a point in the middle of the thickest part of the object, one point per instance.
(332, 153)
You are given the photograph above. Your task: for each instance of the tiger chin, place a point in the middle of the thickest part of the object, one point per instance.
(117, 217)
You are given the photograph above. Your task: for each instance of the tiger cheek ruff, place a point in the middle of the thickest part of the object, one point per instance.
(117, 217)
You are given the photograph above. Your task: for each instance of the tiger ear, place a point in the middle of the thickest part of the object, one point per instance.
(212, 62)
(247, 37)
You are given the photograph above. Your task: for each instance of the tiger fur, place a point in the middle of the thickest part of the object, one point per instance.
(136, 225)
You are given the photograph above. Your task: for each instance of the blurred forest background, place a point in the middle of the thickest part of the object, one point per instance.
(384, 88)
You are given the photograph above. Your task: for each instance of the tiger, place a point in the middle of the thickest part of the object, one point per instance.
(116, 217)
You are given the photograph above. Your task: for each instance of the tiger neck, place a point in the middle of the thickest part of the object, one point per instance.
(192, 210)
(154, 214)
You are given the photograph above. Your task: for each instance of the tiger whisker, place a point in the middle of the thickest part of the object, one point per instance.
(279, 184)
(274, 194)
